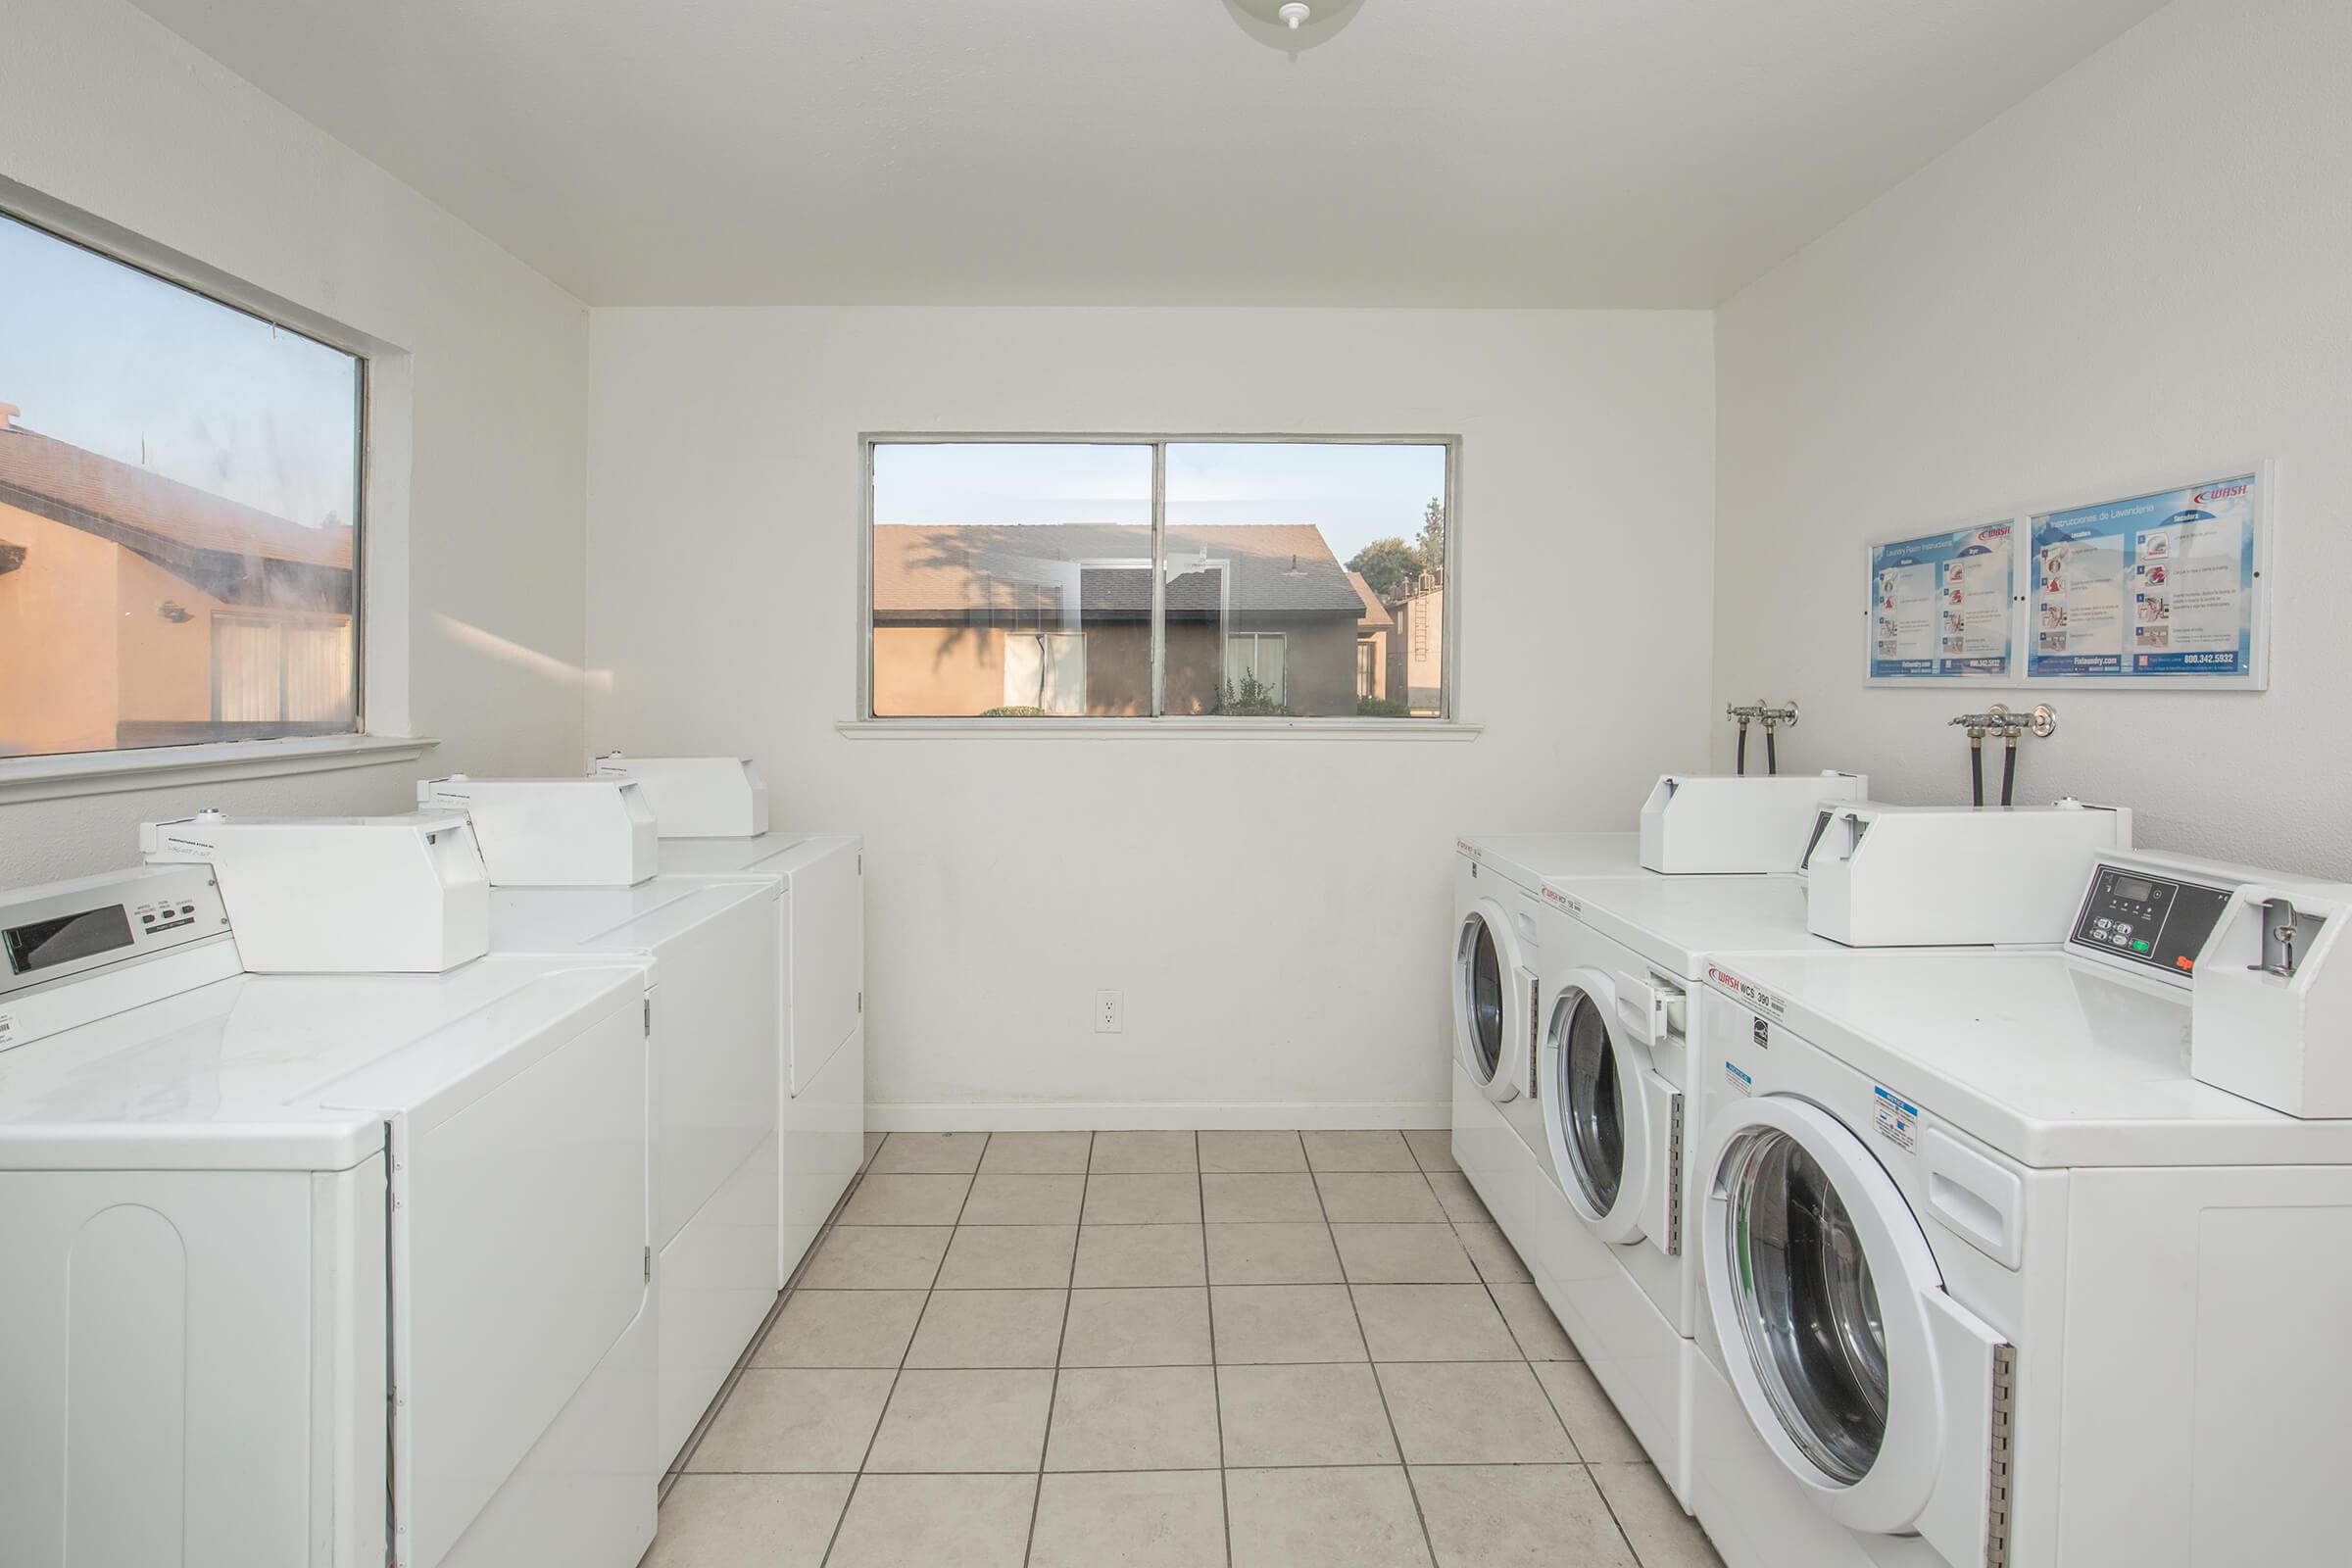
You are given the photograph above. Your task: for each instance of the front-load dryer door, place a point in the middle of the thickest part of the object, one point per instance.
(1493, 1001)
(1615, 1123)
(1872, 1386)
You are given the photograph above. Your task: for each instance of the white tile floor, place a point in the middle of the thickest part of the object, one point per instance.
(1167, 1349)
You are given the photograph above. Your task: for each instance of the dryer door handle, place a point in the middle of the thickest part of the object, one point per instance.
(1974, 1197)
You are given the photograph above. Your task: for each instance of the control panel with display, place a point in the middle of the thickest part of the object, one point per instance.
(2146, 918)
(48, 933)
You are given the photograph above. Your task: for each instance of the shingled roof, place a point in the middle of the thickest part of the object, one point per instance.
(924, 573)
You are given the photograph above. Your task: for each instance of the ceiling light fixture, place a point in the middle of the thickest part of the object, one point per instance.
(1292, 24)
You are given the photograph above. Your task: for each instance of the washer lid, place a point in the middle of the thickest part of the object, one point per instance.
(1677, 922)
(283, 1073)
(768, 854)
(2054, 1062)
(1527, 858)
(615, 921)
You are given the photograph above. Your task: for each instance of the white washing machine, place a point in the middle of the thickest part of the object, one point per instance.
(1991, 1279)
(1621, 1113)
(1496, 989)
(1501, 979)
(821, 969)
(331, 1269)
(709, 951)
(1691, 827)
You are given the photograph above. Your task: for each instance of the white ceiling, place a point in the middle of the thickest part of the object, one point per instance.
(1435, 152)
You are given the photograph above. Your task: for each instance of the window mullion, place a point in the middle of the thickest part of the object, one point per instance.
(1160, 579)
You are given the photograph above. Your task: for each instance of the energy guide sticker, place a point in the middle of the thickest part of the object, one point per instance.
(1897, 1120)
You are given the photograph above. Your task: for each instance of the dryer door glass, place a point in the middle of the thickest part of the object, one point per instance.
(1808, 1309)
(1482, 989)
(1592, 1103)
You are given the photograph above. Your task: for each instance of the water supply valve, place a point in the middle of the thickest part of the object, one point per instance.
(1998, 719)
(1772, 717)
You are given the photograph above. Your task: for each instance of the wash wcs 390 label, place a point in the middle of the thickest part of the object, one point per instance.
(1754, 995)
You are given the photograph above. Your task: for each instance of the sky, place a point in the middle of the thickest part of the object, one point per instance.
(123, 363)
(120, 363)
(1355, 494)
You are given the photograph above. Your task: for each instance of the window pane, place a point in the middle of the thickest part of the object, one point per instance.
(1011, 579)
(1319, 567)
(179, 484)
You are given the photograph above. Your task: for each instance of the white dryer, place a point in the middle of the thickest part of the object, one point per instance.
(709, 952)
(820, 970)
(1622, 1108)
(603, 832)
(1497, 990)
(332, 1269)
(1500, 976)
(1991, 1279)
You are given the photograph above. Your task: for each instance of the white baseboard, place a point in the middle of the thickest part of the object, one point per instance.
(1020, 1116)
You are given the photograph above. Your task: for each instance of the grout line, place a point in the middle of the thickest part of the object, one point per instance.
(1611, 1509)
(751, 1346)
(1045, 1442)
(883, 1414)
(1217, 1370)
(1551, 1402)
(1215, 1366)
(1204, 1469)
(1428, 1541)
(1487, 1289)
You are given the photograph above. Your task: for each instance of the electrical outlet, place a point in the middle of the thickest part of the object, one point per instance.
(1110, 1012)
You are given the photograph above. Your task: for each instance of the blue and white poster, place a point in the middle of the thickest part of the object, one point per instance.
(1940, 605)
(2158, 586)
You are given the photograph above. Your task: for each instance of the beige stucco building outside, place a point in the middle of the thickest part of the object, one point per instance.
(135, 611)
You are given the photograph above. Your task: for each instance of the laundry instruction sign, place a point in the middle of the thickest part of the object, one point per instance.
(2164, 586)
(1942, 605)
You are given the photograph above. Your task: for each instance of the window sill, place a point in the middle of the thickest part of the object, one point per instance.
(1321, 729)
(56, 777)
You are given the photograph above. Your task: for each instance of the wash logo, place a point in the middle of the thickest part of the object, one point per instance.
(1754, 995)
(2223, 492)
(1554, 897)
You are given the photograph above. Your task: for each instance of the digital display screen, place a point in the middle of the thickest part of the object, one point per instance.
(45, 944)
(2149, 920)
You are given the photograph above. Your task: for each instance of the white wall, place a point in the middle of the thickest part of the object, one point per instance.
(1275, 908)
(102, 110)
(2140, 271)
